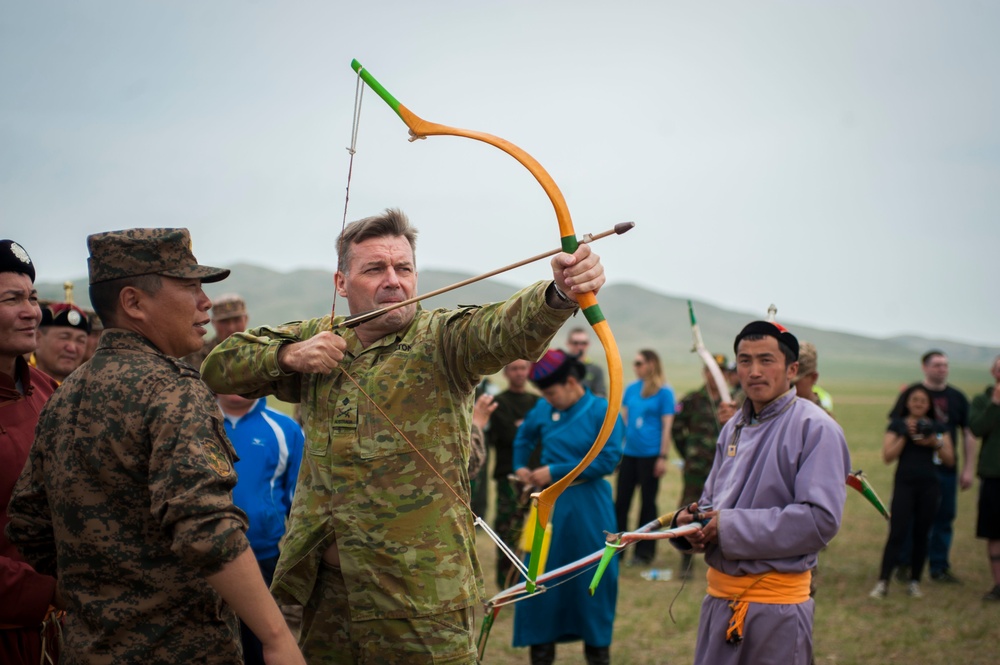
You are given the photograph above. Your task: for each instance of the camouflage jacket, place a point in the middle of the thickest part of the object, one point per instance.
(406, 542)
(126, 499)
(198, 357)
(695, 432)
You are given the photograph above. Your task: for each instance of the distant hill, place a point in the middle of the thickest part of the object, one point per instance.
(639, 318)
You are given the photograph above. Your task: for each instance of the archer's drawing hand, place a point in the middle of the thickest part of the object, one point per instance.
(317, 355)
(579, 272)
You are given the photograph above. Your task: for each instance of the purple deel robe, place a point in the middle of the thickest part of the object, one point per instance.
(781, 498)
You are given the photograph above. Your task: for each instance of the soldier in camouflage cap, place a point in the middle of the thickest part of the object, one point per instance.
(380, 549)
(126, 496)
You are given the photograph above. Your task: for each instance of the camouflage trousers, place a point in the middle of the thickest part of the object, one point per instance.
(329, 636)
(693, 486)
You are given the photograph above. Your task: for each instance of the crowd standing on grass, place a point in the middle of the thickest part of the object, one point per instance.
(648, 412)
(161, 540)
(984, 421)
(952, 408)
(918, 442)
(564, 424)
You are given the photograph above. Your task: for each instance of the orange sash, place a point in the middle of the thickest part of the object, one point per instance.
(771, 588)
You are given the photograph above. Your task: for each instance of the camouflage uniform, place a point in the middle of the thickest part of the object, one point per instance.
(198, 357)
(406, 543)
(128, 488)
(695, 432)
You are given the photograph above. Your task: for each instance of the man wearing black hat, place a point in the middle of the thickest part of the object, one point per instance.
(127, 493)
(62, 340)
(25, 595)
(776, 492)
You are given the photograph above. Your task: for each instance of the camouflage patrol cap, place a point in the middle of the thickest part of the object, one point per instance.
(228, 306)
(95, 321)
(807, 360)
(135, 252)
(13, 258)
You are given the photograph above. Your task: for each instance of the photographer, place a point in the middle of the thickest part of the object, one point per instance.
(919, 442)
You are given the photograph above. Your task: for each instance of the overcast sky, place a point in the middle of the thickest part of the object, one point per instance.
(839, 159)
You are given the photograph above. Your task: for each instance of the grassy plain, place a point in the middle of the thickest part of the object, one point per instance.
(949, 624)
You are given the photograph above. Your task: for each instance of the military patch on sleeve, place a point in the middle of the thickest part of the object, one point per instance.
(217, 460)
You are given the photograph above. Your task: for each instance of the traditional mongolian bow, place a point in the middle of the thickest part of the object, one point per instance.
(598, 559)
(419, 129)
(708, 359)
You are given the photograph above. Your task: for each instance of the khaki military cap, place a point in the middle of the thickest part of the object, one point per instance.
(228, 306)
(135, 252)
(807, 360)
(95, 321)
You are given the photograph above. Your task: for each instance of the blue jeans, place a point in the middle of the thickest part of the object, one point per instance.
(941, 528)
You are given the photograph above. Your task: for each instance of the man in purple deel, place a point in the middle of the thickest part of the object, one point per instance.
(773, 499)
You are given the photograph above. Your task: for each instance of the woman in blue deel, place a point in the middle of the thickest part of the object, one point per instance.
(565, 424)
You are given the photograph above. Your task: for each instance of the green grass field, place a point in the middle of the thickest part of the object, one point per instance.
(950, 623)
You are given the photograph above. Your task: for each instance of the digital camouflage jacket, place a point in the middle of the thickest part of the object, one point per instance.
(126, 500)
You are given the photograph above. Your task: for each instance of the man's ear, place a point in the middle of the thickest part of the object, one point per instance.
(340, 282)
(792, 370)
(130, 304)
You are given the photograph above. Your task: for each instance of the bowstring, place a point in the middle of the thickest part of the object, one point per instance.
(359, 93)
(462, 500)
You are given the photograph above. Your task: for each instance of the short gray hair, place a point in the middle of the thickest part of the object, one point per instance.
(390, 223)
